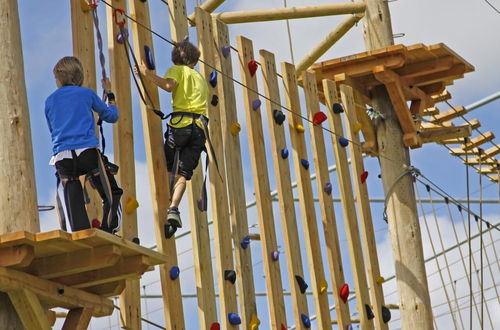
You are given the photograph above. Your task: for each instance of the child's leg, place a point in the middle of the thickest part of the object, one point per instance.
(179, 189)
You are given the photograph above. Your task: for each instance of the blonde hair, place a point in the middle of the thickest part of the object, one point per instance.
(69, 71)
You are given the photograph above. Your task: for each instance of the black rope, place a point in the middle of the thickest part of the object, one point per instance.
(481, 240)
(469, 234)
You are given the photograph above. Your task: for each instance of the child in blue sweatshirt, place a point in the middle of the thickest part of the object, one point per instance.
(69, 113)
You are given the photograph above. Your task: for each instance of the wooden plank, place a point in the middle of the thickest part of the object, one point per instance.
(178, 19)
(258, 159)
(284, 187)
(326, 199)
(18, 256)
(453, 73)
(491, 152)
(477, 161)
(442, 133)
(234, 176)
(77, 319)
(426, 67)
(29, 309)
(449, 114)
(218, 188)
(432, 111)
(363, 202)
(17, 238)
(55, 242)
(461, 152)
(478, 140)
(348, 208)
(305, 195)
(109, 290)
(50, 293)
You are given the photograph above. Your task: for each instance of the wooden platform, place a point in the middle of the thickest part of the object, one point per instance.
(417, 74)
(76, 271)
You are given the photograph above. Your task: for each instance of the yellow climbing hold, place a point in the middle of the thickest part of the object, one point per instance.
(85, 5)
(235, 129)
(323, 286)
(254, 322)
(356, 127)
(300, 128)
(380, 279)
(131, 205)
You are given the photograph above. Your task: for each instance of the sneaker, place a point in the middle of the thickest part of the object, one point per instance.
(174, 217)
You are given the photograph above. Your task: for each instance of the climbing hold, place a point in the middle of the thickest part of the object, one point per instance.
(235, 129)
(323, 286)
(256, 104)
(213, 79)
(299, 128)
(174, 273)
(122, 36)
(215, 326)
(343, 141)
(284, 153)
(283, 327)
(386, 314)
(245, 242)
(337, 108)
(252, 67)
(136, 240)
(169, 231)
(254, 322)
(88, 5)
(226, 50)
(302, 284)
(318, 118)
(230, 275)
(380, 279)
(234, 318)
(275, 255)
(305, 320)
(369, 312)
(279, 116)
(150, 62)
(349, 326)
(364, 175)
(328, 188)
(305, 163)
(356, 128)
(344, 292)
(96, 223)
(131, 205)
(215, 100)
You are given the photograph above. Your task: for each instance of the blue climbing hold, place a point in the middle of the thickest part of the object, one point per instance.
(343, 141)
(215, 100)
(245, 242)
(174, 273)
(328, 188)
(305, 163)
(226, 50)
(284, 153)
(256, 104)
(275, 255)
(150, 62)
(213, 79)
(234, 318)
(305, 320)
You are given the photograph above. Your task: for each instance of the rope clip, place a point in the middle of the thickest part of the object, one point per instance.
(120, 16)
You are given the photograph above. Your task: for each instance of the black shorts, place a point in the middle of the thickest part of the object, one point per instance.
(191, 142)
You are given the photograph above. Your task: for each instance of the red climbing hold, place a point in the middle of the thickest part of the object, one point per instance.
(252, 67)
(318, 118)
(96, 223)
(364, 175)
(283, 327)
(344, 293)
(215, 326)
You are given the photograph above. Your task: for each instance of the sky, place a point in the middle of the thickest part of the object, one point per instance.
(467, 27)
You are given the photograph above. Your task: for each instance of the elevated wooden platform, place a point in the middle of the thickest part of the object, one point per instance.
(76, 271)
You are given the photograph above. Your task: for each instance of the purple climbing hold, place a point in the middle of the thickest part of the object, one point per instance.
(284, 153)
(186, 38)
(328, 188)
(343, 141)
(275, 255)
(213, 79)
(226, 51)
(305, 163)
(256, 104)
(174, 273)
(245, 242)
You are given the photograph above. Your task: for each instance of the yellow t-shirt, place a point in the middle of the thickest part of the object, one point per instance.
(190, 94)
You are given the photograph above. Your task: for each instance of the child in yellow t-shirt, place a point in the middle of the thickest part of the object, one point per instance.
(184, 130)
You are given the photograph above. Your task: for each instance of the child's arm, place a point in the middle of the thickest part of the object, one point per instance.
(106, 113)
(166, 84)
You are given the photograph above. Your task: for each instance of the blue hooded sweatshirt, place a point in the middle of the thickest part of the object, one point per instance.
(69, 115)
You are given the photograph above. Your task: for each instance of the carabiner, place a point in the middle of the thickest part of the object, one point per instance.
(120, 16)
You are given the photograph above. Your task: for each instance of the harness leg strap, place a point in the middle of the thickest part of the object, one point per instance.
(75, 205)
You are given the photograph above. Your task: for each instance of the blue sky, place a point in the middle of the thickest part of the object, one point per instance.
(469, 28)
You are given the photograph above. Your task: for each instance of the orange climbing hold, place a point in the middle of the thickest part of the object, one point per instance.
(235, 129)
(344, 293)
(252, 67)
(380, 279)
(254, 322)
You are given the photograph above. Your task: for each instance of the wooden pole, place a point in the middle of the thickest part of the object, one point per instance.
(18, 201)
(404, 228)
(290, 13)
(208, 6)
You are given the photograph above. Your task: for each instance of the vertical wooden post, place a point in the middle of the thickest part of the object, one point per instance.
(218, 191)
(234, 175)
(261, 182)
(326, 199)
(123, 143)
(305, 195)
(394, 157)
(284, 187)
(348, 207)
(18, 201)
(157, 169)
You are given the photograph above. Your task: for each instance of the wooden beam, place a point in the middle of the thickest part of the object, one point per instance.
(234, 175)
(77, 319)
(348, 207)
(53, 294)
(477, 161)
(305, 195)
(454, 72)
(178, 19)
(19, 256)
(491, 152)
(109, 290)
(209, 6)
(326, 199)
(443, 96)
(258, 159)
(426, 67)
(461, 152)
(443, 133)
(478, 140)
(432, 111)
(249, 16)
(29, 309)
(328, 42)
(449, 114)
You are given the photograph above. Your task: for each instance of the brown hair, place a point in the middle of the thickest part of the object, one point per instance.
(69, 71)
(185, 53)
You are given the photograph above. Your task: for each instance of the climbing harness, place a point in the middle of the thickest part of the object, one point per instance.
(413, 171)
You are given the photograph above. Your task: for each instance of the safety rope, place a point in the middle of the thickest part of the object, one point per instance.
(481, 270)
(413, 171)
(289, 36)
